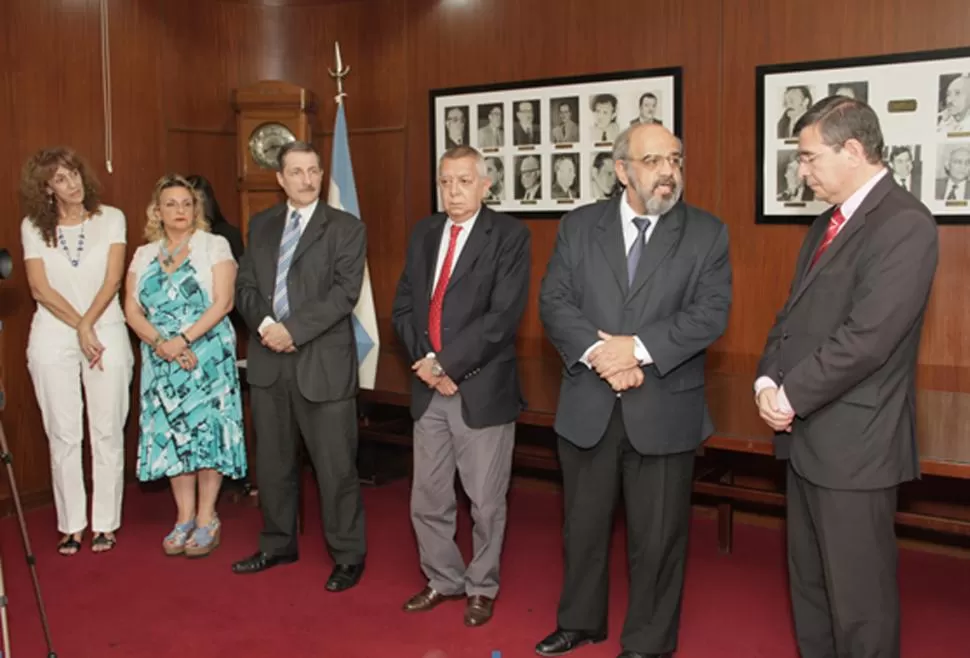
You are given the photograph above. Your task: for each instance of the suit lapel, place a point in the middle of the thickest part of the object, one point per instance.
(272, 236)
(313, 230)
(852, 226)
(473, 246)
(432, 242)
(609, 231)
(662, 241)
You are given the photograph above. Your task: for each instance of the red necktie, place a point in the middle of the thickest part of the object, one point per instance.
(437, 299)
(835, 223)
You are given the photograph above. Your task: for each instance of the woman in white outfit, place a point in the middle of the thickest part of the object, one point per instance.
(74, 252)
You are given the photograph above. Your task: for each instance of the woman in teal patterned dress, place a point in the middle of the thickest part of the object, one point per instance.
(179, 293)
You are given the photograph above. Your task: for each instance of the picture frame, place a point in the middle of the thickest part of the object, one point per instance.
(548, 143)
(922, 100)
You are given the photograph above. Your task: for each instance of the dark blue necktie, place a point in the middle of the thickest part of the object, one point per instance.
(636, 250)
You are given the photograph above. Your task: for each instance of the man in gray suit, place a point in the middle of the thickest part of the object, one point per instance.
(297, 287)
(836, 379)
(458, 305)
(637, 289)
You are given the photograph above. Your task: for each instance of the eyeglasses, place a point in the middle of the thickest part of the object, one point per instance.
(808, 159)
(653, 160)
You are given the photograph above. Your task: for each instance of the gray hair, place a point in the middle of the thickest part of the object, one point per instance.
(840, 119)
(621, 145)
(460, 152)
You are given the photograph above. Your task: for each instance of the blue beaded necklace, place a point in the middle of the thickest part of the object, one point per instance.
(76, 259)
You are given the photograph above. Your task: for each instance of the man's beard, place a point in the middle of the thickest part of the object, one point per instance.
(655, 205)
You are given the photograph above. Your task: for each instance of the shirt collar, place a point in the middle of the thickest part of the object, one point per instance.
(467, 225)
(305, 213)
(850, 205)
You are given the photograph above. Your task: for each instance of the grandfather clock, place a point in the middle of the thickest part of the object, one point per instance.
(269, 114)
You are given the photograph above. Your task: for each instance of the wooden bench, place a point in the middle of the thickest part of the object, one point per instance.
(739, 432)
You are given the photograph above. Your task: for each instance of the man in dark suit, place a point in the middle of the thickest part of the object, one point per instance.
(637, 289)
(837, 381)
(297, 286)
(525, 131)
(904, 169)
(955, 186)
(458, 306)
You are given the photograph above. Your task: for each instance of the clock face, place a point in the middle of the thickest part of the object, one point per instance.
(266, 141)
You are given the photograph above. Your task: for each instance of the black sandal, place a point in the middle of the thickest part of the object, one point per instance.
(100, 540)
(69, 546)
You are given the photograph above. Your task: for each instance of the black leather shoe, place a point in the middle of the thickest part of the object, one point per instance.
(562, 642)
(344, 576)
(260, 561)
(637, 654)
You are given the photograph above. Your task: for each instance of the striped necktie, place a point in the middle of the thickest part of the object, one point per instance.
(291, 236)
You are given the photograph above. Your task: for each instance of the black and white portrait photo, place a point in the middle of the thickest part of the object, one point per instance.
(953, 167)
(528, 178)
(795, 101)
(495, 171)
(791, 186)
(906, 167)
(857, 90)
(604, 128)
(565, 176)
(491, 126)
(602, 176)
(648, 109)
(563, 114)
(526, 128)
(954, 103)
(456, 126)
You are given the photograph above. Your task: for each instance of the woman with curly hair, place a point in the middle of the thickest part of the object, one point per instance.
(74, 254)
(179, 293)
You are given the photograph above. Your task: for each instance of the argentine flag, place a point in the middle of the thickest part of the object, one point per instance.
(343, 195)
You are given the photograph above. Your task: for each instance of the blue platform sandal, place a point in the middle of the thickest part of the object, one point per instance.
(205, 539)
(174, 542)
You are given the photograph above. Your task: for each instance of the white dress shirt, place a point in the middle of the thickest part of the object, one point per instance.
(848, 210)
(630, 233)
(466, 230)
(305, 214)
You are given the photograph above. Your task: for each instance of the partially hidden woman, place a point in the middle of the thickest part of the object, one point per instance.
(178, 295)
(74, 257)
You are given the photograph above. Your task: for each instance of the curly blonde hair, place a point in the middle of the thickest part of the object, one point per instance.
(154, 231)
(40, 204)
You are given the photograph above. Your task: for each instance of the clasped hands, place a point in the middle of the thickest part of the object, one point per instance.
(90, 345)
(277, 338)
(442, 384)
(771, 412)
(615, 361)
(176, 349)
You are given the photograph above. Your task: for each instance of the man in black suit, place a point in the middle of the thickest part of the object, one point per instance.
(902, 164)
(525, 131)
(637, 289)
(458, 306)
(837, 381)
(297, 287)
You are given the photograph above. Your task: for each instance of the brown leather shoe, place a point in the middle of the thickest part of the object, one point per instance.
(427, 599)
(479, 610)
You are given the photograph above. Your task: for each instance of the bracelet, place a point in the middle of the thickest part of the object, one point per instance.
(157, 340)
(185, 338)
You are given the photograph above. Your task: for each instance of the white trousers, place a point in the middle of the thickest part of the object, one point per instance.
(58, 369)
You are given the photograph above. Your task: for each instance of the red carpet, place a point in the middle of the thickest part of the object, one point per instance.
(137, 603)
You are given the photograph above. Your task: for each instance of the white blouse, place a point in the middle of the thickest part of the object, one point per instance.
(78, 285)
(206, 250)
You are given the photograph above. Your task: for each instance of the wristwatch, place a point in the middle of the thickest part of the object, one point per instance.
(436, 368)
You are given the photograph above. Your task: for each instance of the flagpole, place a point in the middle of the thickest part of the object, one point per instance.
(339, 74)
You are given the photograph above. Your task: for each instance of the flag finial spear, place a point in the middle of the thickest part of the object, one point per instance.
(339, 74)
